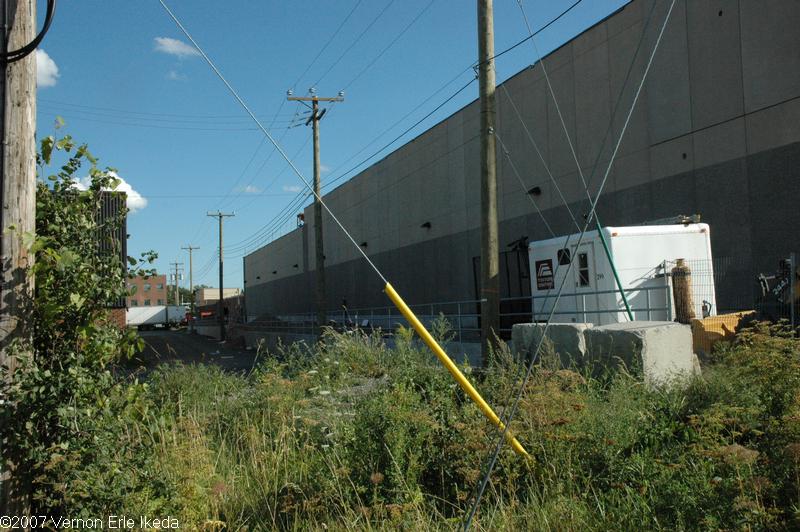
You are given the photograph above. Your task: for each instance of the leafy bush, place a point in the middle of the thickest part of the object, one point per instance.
(61, 387)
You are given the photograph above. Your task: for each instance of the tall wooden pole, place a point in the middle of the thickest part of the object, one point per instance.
(490, 259)
(220, 303)
(191, 248)
(319, 247)
(18, 201)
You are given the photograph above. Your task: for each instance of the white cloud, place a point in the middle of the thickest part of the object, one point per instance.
(324, 168)
(174, 75)
(251, 189)
(292, 188)
(46, 69)
(175, 47)
(135, 201)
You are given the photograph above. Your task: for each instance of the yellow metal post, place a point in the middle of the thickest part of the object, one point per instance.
(451, 367)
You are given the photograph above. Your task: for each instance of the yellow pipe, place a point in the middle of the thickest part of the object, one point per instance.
(451, 367)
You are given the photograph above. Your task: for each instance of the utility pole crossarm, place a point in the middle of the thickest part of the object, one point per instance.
(314, 99)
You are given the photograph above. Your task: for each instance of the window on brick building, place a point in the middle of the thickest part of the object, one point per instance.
(146, 302)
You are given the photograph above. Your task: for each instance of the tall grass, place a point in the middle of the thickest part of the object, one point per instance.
(350, 434)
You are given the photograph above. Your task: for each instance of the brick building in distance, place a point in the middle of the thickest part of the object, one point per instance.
(147, 291)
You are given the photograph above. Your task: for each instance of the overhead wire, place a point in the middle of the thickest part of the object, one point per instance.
(258, 235)
(71, 118)
(356, 41)
(522, 183)
(401, 135)
(297, 172)
(327, 43)
(593, 207)
(539, 154)
(553, 95)
(473, 66)
(287, 216)
(327, 184)
(387, 47)
(297, 108)
(156, 117)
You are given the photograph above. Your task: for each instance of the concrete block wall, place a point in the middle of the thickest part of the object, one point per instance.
(658, 352)
(716, 132)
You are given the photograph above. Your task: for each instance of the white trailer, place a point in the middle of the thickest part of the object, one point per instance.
(644, 257)
(156, 316)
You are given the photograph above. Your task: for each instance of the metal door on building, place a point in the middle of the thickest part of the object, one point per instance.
(515, 287)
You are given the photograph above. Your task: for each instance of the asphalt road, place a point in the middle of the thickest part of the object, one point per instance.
(163, 347)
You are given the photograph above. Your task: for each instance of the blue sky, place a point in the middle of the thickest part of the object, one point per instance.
(126, 82)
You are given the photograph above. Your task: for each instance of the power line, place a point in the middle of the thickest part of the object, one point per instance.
(376, 137)
(256, 240)
(356, 41)
(590, 216)
(198, 196)
(398, 137)
(392, 43)
(272, 140)
(153, 126)
(330, 40)
(534, 34)
(522, 184)
(284, 216)
(277, 176)
(145, 114)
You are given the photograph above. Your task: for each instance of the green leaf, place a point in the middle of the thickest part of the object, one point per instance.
(47, 148)
(77, 300)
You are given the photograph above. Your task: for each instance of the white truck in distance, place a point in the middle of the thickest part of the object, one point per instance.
(156, 316)
(644, 257)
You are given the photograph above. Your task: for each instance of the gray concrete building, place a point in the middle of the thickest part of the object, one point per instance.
(716, 132)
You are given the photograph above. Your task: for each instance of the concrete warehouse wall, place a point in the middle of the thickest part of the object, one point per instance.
(716, 132)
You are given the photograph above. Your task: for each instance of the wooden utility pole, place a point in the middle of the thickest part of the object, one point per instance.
(314, 119)
(220, 304)
(191, 248)
(490, 254)
(18, 201)
(178, 267)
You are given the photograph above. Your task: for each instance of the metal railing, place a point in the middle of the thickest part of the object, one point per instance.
(463, 316)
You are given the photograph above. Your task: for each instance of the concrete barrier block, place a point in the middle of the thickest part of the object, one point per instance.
(660, 351)
(567, 339)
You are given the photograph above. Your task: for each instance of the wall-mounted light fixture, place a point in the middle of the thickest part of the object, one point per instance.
(274, 272)
(426, 225)
(535, 191)
(296, 266)
(364, 244)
